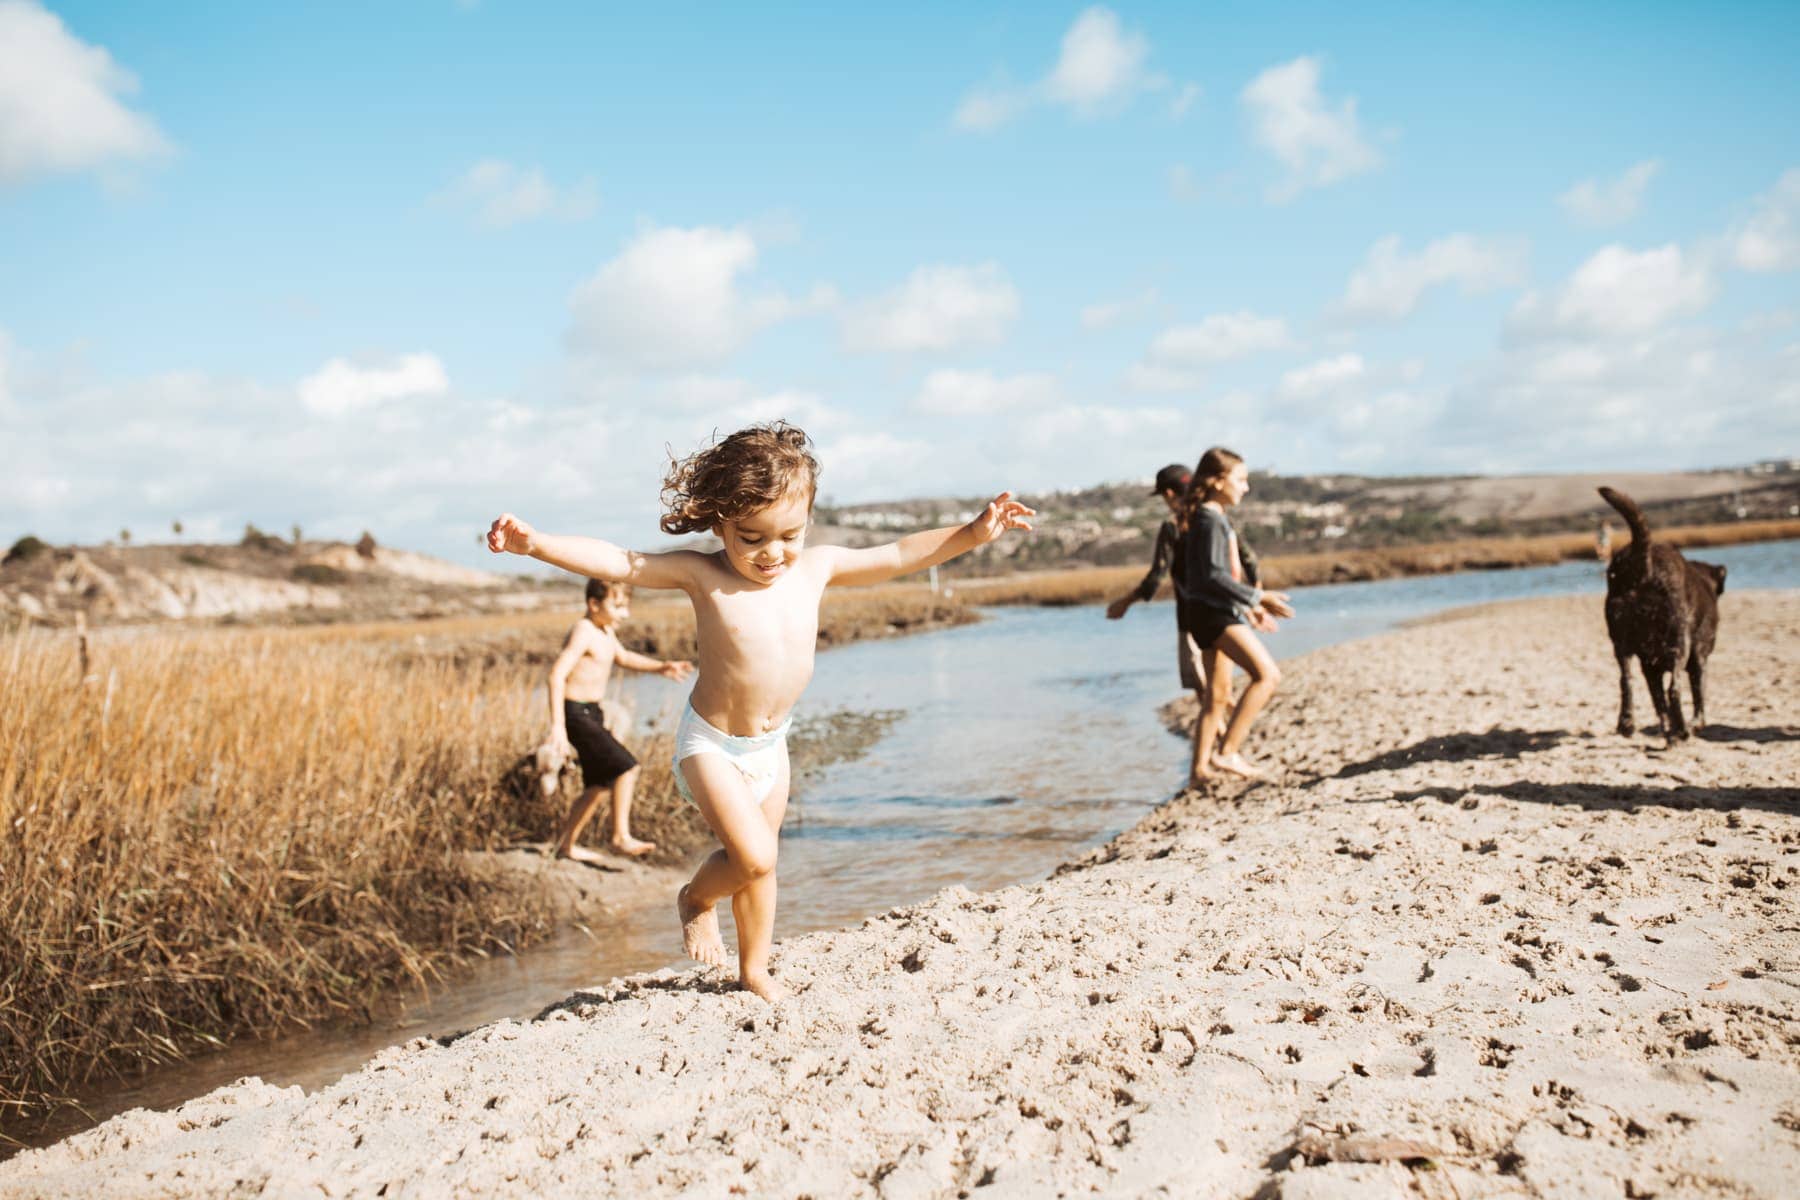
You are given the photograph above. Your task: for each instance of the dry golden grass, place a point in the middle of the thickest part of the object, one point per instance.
(1092, 585)
(234, 830)
(228, 830)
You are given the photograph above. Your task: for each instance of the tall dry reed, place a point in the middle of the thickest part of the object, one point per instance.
(231, 830)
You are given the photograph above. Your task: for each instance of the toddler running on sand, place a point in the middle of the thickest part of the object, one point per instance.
(756, 608)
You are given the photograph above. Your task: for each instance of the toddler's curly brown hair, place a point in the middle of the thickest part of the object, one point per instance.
(742, 474)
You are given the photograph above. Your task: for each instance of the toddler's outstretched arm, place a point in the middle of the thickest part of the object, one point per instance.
(916, 551)
(591, 556)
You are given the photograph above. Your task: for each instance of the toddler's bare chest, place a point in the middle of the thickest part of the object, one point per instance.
(750, 626)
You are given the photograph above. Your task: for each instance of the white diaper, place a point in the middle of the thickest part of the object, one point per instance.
(758, 759)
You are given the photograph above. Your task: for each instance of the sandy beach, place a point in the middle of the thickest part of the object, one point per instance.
(1468, 941)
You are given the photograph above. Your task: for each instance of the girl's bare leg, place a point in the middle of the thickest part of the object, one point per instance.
(753, 905)
(1243, 647)
(748, 852)
(1215, 703)
(623, 789)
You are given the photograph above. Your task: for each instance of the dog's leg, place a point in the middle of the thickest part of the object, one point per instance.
(1653, 679)
(1678, 730)
(1697, 685)
(1626, 726)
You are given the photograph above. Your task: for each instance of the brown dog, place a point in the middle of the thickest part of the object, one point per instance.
(1663, 610)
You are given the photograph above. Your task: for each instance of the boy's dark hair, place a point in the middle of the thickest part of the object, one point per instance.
(599, 589)
(743, 474)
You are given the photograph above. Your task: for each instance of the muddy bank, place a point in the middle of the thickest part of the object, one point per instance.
(1467, 932)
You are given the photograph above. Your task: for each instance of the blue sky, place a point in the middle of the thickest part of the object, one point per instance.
(400, 266)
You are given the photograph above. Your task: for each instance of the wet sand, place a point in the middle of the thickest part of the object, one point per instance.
(1468, 932)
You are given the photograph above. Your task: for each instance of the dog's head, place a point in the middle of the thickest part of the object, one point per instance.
(1713, 573)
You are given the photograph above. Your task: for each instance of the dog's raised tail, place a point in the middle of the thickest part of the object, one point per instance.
(1634, 517)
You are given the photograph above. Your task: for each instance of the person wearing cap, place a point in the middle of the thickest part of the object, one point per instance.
(1172, 483)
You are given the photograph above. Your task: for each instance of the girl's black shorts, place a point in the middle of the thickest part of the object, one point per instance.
(1205, 625)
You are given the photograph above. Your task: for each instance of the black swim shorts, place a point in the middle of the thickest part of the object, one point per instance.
(1205, 625)
(603, 759)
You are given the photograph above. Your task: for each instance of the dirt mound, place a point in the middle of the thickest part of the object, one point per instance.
(264, 579)
(1533, 497)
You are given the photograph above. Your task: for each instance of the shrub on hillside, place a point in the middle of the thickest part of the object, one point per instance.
(256, 539)
(25, 549)
(319, 573)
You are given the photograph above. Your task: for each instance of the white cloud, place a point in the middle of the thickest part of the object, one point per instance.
(1107, 313)
(1320, 378)
(1100, 62)
(5, 373)
(1618, 291)
(671, 300)
(1290, 119)
(939, 307)
(965, 393)
(1101, 67)
(1184, 100)
(1078, 425)
(716, 402)
(1770, 239)
(987, 109)
(1632, 401)
(1366, 431)
(1610, 202)
(341, 387)
(1178, 355)
(1389, 282)
(880, 465)
(1220, 338)
(59, 100)
(216, 452)
(498, 194)
(810, 412)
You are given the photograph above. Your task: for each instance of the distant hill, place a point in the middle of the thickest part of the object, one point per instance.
(265, 578)
(1115, 523)
(261, 578)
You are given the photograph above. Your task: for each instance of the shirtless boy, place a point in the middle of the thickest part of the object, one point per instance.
(756, 608)
(577, 685)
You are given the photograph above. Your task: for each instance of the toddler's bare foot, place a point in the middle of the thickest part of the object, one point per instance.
(630, 847)
(1199, 781)
(763, 984)
(1237, 764)
(699, 931)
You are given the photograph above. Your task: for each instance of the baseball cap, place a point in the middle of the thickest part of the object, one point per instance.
(1172, 478)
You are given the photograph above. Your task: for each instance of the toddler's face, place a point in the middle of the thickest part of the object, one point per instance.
(763, 546)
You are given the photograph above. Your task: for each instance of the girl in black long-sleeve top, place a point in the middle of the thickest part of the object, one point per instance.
(1219, 606)
(1169, 559)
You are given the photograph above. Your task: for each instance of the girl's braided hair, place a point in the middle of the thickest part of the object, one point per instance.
(743, 474)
